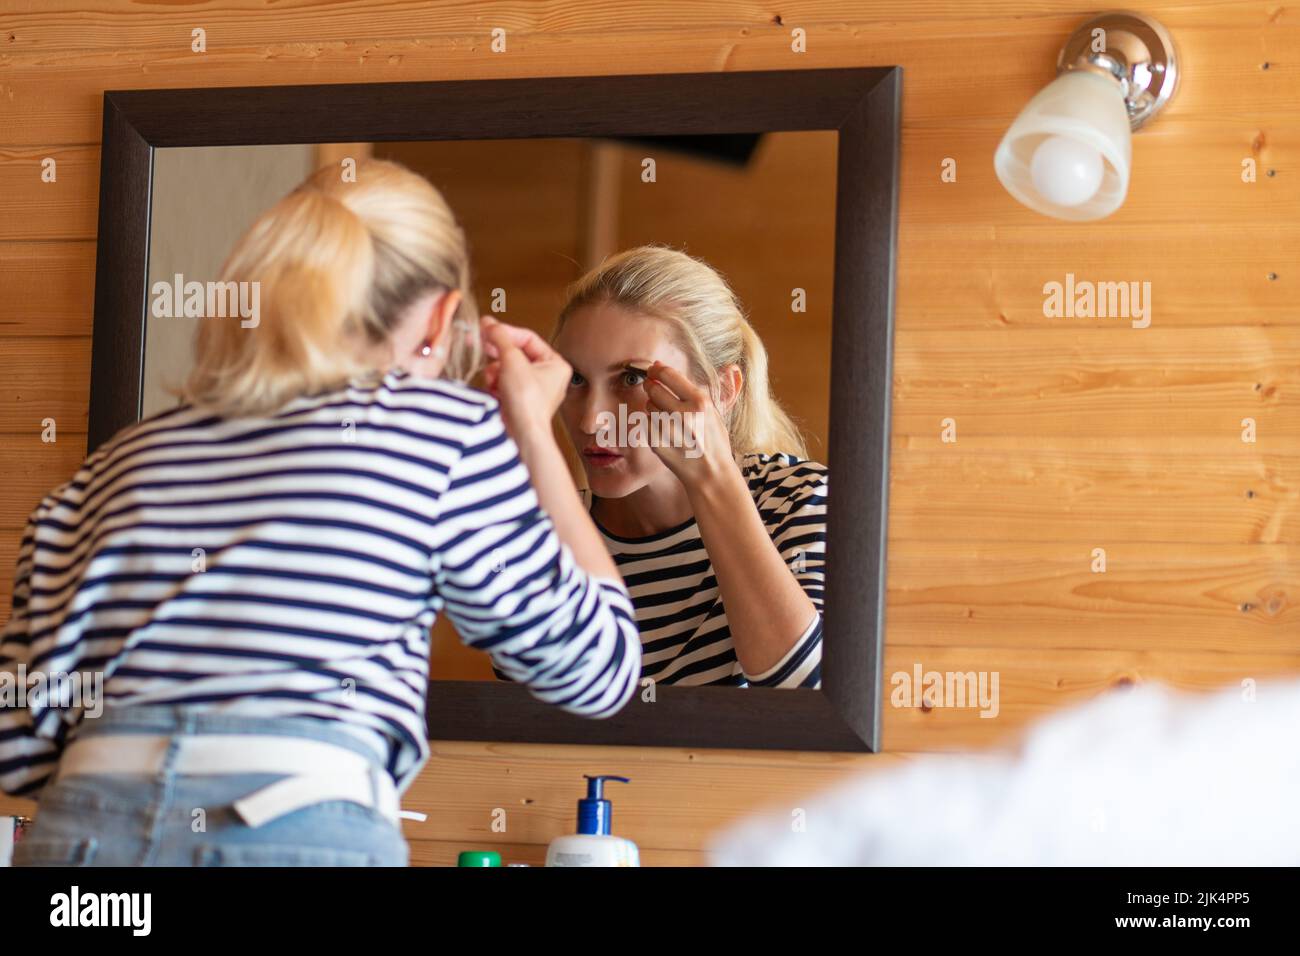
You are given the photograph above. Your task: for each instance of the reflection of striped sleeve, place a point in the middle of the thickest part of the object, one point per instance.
(512, 588)
(26, 760)
(791, 498)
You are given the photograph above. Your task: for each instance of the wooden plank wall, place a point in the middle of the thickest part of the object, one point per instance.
(1073, 434)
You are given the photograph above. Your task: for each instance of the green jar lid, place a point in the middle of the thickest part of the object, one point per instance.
(479, 858)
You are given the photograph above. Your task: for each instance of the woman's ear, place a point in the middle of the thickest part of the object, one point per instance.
(437, 335)
(732, 380)
(440, 317)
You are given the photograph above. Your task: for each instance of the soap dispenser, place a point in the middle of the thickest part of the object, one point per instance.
(593, 845)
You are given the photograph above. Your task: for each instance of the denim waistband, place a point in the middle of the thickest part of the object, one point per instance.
(180, 719)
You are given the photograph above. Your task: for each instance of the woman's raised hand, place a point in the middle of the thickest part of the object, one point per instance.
(694, 444)
(526, 375)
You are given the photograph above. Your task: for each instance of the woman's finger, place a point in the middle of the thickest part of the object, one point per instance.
(663, 398)
(528, 341)
(677, 383)
(508, 356)
(492, 334)
(500, 339)
(533, 345)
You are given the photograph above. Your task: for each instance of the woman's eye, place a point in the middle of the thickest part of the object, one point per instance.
(575, 380)
(631, 377)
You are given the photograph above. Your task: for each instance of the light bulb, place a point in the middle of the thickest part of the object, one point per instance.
(1065, 171)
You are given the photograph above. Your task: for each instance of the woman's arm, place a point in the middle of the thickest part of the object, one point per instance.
(528, 378)
(559, 498)
(515, 590)
(768, 611)
(27, 760)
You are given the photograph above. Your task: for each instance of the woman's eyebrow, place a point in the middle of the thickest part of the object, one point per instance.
(641, 365)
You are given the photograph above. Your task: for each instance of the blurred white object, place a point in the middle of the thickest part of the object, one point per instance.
(1144, 776)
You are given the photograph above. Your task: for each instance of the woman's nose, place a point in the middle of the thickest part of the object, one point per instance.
(595, 406)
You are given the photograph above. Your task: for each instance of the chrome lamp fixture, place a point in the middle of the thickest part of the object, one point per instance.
(1068, 153)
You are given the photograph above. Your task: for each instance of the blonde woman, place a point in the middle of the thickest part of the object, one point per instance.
(254, 573)
(717, 523)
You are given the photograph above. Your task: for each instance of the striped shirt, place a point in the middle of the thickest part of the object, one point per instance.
(292, 565)
(685, 636)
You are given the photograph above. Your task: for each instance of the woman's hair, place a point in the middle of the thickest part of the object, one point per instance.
(708, 324)
(337, 264)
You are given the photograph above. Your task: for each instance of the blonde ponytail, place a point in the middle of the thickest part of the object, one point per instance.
(757, 419)
(336, 264)
(709, 325)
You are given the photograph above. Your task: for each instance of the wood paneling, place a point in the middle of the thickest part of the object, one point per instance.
(1073, 434)
(43, 378)
(48, 289)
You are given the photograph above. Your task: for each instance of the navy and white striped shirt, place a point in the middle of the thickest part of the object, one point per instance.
(685, 636)
(293, 564)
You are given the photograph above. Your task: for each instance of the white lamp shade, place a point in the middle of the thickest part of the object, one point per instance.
(1050, 157)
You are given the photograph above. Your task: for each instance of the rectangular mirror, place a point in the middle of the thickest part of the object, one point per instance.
(783, 183)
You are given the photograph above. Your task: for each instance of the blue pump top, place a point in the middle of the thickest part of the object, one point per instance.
(595, 812)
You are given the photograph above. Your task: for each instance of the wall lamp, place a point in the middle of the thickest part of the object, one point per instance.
(1068, 153)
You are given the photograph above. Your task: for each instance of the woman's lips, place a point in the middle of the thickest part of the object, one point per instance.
(601, 457)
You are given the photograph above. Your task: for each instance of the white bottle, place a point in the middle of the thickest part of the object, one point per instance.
(592, 845)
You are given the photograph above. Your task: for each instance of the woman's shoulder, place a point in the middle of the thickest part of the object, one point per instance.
(783, 477)
(782, 467)
(440, 395)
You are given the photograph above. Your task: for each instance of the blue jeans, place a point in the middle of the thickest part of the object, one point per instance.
(187, 820)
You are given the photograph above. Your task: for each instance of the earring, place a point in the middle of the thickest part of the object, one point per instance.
(427, 349)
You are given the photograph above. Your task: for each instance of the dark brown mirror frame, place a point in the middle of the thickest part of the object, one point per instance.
(862, 104)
